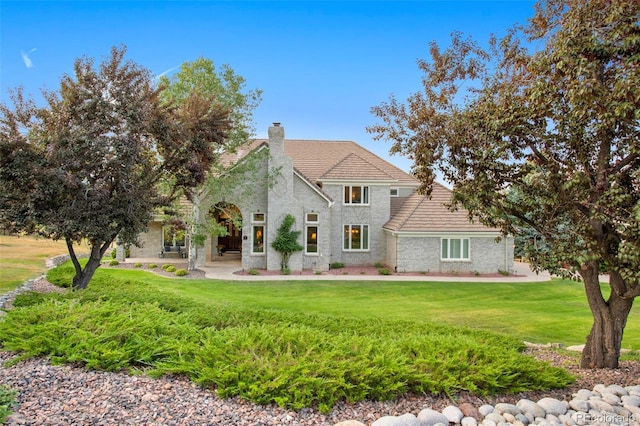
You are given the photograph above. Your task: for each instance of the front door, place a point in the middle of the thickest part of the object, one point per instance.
(233, 240)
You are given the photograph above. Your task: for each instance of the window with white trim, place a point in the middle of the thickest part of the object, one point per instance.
(454, 249)
(394, 192)
(356, 195)
(311, 233)
(257, 233)
(356, 238)
(311, 240)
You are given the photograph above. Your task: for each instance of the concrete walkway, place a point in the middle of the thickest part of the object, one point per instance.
(223, 268)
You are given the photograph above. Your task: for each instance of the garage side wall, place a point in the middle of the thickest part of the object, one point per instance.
(422, 254)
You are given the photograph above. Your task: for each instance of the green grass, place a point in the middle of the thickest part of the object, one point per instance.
(555, 311)
(308, 343)
(23, 258)
(132, 320)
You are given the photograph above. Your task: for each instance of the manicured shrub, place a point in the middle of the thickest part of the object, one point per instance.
(171, 268)
(152, 266)
(337, 265)
(379, 265)
(286, 271)
(384, 271)
(113, 253)
(253, 272)
(181, 272)
(7, 402)
(292, 359)
(113, 262)
(166, 265)
(138, 265)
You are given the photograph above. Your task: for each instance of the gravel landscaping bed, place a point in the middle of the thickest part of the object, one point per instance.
(72, 395)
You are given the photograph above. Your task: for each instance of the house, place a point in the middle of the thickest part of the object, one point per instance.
(351, 207)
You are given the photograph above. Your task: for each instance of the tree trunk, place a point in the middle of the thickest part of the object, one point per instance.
(83, 276)
(602, 349)
(193, 250)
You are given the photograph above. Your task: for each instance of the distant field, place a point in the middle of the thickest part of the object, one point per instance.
(22, 258)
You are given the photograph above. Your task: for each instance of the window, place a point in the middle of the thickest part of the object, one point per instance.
(311, 233)
(311, 240)
(257, 233)
(356, 237)
(455, 249)
(356, 194)
(393, 192)
(173, 237)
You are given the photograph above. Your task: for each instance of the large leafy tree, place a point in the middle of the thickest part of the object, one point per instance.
(550, 112)
(89, 165)
(228, 89)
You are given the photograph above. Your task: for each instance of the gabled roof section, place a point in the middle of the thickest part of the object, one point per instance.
(231, 158)
(314, 187)
(320, 159)
(354, 167)
(418, 213)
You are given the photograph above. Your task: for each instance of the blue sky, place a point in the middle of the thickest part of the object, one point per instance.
(321, 65)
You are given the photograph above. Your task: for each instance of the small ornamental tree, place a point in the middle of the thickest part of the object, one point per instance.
(90, 165)
(286, 242)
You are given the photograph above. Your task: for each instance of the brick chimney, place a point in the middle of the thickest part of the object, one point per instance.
(276, 140)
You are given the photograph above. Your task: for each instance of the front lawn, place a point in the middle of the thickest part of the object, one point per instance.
(294, 344)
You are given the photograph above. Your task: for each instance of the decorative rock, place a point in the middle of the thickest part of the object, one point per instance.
(485, 410)
(522, 419)
(470, 411)
(633, 390)
(510, 418)
(532, 408)
(350, 423)
(389, 421)
(495, 417)
(631, 400)
(583, 394)
(617, 390)
(16, 419)
(600, 388)
(553, 406)
(502, 408)
(429, 417)
(611, 398)
(468, 421)
(600, 405)
(579, 404)
(409, 420)
(454, 414)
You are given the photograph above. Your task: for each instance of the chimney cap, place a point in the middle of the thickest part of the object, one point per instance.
(276, 124)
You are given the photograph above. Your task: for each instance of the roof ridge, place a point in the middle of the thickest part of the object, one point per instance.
(353, 154)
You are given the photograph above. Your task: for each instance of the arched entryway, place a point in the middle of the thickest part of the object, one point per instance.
(229, 220)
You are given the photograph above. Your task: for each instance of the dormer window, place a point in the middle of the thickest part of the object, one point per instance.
(356, 195)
